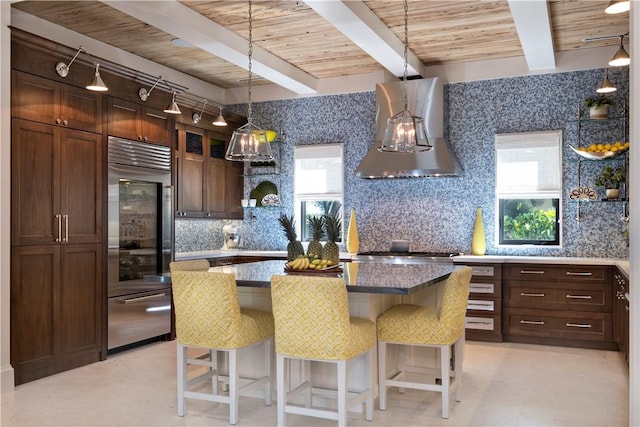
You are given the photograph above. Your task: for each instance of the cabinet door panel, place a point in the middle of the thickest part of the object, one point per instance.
(191, 191)
(124, 119)
(155, 127)
(34, 98)
(80, 180)
(35, 198)
(80, 299)
(34, 289)
(235, 189)
(216, 182)
(81, 109)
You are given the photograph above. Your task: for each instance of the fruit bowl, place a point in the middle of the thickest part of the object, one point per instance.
(599, 155)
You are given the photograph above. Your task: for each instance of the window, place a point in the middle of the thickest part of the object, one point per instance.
(528, 188)
(318, 184)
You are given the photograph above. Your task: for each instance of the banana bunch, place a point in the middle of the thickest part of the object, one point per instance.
(300, 263)
(312, 263)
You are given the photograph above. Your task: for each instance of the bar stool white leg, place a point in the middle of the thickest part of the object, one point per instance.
(445, 361)
(282, 374)
(233, 386)
(182, 377)
(342, 393)
(382, 375)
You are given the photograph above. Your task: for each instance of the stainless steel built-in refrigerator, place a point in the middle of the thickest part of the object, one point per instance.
(140, 213)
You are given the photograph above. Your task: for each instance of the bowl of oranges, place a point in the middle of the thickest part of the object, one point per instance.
(602, 151)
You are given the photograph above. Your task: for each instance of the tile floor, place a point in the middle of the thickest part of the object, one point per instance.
(506, 384)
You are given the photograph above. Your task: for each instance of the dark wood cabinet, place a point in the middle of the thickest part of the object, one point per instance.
(207, 183)
(56, 308)
(138, 122)
(46, 101)
(621, 312)
(567, 305)
(57, 285)
(483, 321)
(56, 185)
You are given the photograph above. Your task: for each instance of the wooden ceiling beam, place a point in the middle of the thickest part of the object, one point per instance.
(533, 25)
(356, 21)
(170, 16)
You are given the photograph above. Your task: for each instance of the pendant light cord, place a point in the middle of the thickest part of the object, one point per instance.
(406, 50)
(250, 64)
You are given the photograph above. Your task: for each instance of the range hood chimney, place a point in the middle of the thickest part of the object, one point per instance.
(425, 97)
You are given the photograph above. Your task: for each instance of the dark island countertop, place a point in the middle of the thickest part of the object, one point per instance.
(367, 277)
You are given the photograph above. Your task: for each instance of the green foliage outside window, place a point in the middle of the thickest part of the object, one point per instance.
(526, 220)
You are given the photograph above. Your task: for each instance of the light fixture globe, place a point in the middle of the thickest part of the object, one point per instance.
(606, 86)
(405, 133)
(249, 143)
(621, 58)
(618, 6)
(97, 85)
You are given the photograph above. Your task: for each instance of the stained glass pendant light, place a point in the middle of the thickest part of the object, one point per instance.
(405, 132)
(249, 142)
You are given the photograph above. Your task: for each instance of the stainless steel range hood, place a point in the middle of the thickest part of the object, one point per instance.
(425, 97)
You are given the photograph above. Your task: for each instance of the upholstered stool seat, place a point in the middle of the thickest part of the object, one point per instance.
(209, 317)
(440, 327)
(312, 323)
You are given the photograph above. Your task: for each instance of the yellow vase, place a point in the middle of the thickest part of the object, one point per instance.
(353, 242)
(352, 272)
(478, 241)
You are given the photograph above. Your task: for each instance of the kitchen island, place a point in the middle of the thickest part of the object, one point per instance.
(373, 288)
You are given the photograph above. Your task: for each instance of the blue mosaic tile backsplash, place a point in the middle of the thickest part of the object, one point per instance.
(437, 214)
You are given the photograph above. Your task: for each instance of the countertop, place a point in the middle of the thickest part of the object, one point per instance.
(367, 277)
(469, 259)
(509, 259)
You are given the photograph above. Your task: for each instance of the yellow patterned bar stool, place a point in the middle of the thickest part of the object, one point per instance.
(190, 265)
(209, 317)
(313, 324)
(440, 327)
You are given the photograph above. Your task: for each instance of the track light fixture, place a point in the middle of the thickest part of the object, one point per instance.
(618, 6)
(173, 106)
(606, 86)
(621, 57)
(219, 121)
(96, 84)
(197, 116)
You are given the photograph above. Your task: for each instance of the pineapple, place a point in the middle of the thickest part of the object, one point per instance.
(333, 227)
(317, 225)
(294, 248)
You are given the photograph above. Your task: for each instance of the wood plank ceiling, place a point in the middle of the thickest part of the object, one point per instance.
(292, 32)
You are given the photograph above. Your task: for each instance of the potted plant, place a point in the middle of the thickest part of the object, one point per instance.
(610, 179)
(598, 106)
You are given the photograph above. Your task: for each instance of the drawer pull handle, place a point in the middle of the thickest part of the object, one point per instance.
(531, 322)
(579, 296)
(130, 300)
(578, 325)
(527, 294)
(531, 271)
(586, 273)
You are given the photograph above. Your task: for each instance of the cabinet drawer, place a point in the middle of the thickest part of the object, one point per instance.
(576, 298)
(541, 273)
(483, 327)
(566, 325)
(484, 305)
(484, 288)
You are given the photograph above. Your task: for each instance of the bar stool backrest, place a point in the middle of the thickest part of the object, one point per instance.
(311, 316)
(207, 309)
(453, 306)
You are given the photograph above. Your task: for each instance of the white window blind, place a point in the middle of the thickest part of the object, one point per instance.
(529, 163)
(318, 171)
